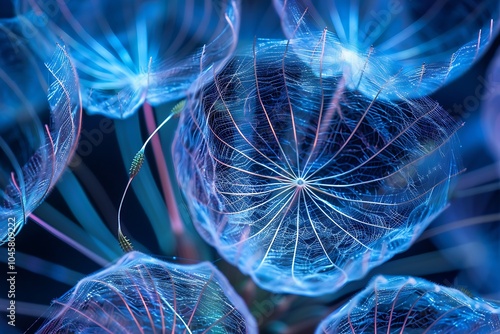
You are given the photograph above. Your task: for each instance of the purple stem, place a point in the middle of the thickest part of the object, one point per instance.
(82, 249)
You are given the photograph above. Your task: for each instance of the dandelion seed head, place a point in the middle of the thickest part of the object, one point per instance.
(172, 42)
(302, 182)
(427, 44)
(393, 304)
(143, 294)
(26, 183)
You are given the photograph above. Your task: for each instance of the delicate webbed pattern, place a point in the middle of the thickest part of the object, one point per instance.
(141, 294)
(27, 182)
(426, 43)
(396, 304)
(302, 183)
(129, 52)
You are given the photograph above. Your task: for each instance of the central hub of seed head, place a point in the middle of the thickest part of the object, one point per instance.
(300, 182)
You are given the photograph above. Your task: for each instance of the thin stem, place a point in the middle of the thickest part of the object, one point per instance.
(151, 124)
(479, 176)
(82, 249)
(122, 239)
(168, 192)
(27, 309)
(136, 165)
(485, 219)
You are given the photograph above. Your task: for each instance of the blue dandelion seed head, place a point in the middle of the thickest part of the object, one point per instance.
(426, 44)
(394, 304)
(303, 183)
(34, 156)
(129, 52)
(143, 294)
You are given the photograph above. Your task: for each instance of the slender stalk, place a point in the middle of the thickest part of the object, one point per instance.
(168, 192)
(485, 219)
(136, 165)
(82, 249)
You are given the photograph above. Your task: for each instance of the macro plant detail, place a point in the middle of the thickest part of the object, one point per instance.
(134, 51)
(308, 152)
(402, 38)
(396, 304)
(27, 183)
(303, 183)
(141, 294)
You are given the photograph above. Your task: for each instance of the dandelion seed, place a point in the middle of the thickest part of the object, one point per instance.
(140, 294)
(303, 183)
(135, 51)
(395, 304)
(399, 36)
(29, 181)
(135, 167)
